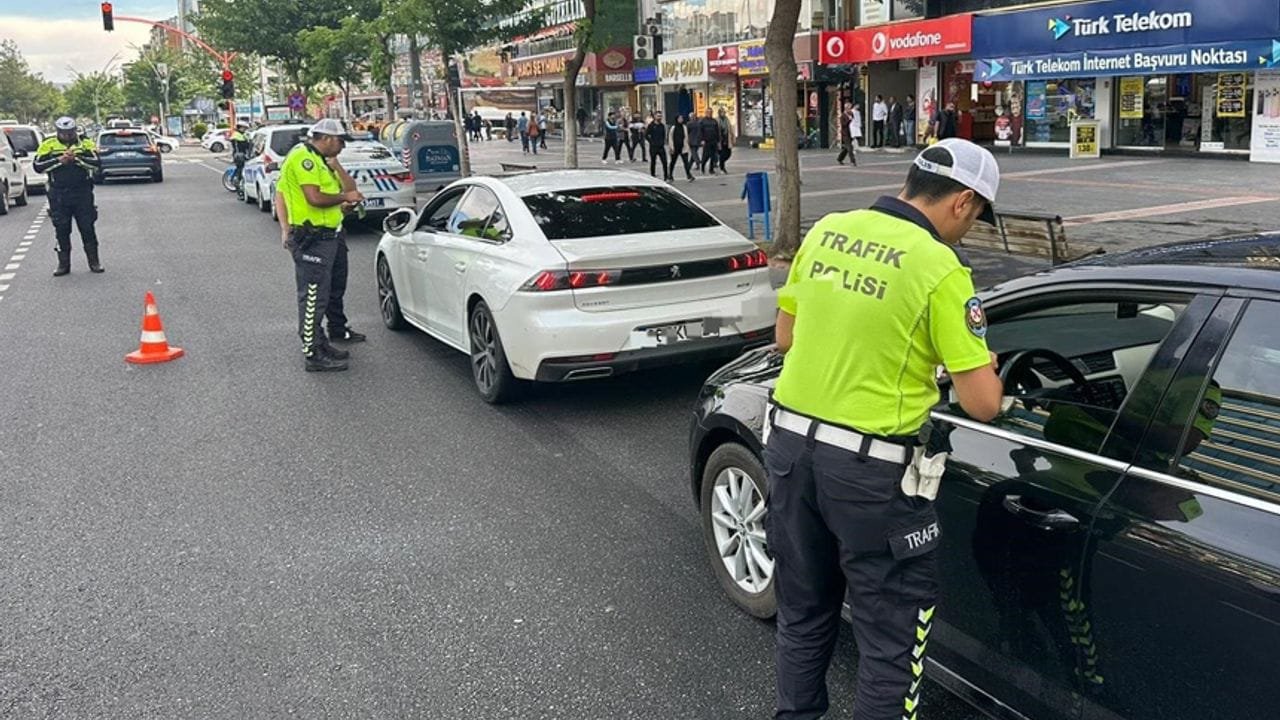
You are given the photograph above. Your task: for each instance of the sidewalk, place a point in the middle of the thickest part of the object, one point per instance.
(1118, 203)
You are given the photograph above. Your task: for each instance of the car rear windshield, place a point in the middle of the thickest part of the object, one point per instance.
(282, 142)
(130, 140)
(23, 139)
(604, 211)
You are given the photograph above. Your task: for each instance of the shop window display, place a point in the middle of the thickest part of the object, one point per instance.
(1052, 105)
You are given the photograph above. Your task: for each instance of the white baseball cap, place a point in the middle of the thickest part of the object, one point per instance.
(972, 166)
(329, 126)
(65, 123)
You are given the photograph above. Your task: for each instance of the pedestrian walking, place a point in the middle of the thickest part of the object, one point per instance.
(726, 139)
(693, 131)
(656, 134)
(535, 133)
(679, 130)
(944, 122)
(853, 464)
(895, 123)
(846, 136)
(856, 127)
(510, 124)
(909, 121)
(710, 142)
(611, 139)
(879, 114)
(636, 135)
(542, 131)
(488, 129)
(522, 126)
(312, 195)
(70, 161)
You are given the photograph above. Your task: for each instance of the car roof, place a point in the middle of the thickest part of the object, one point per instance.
(535, 183)
(282, 128)
(1243, 261)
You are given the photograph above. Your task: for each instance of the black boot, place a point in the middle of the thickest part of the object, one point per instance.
(319, 362)
(92, 256)
(334, 353)
(64, 264)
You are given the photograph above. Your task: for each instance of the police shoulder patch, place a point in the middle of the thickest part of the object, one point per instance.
(974, 317)
(308, 165)
(1209, 409)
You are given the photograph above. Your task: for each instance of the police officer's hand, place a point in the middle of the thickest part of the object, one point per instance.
(68, 157)
(353, 196)
(995, 362)
(284, 239)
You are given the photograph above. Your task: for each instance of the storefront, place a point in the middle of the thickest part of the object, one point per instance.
(1157, 76)
(899, 58)
(755, 100)
(685, 82)
(604, 83)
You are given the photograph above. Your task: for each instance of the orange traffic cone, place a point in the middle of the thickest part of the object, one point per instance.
(153, 348)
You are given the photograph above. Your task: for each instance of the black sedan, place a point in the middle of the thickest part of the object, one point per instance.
(1110, 543)
(128, 153)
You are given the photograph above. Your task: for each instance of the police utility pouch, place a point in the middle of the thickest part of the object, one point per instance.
(928, 463)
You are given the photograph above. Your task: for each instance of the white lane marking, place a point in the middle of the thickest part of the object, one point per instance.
(1084, 168)
(6, 276)
(13, 266)
(3, 288)
(1157, 210)
(18, 258)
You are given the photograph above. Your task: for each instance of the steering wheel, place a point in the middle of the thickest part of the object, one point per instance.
(1019, 380)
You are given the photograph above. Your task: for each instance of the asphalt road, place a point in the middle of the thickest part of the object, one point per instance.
(226, 536)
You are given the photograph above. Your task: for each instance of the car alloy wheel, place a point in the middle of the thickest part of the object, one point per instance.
(388, 303)
(21, 200)
(737, 514)
(489, 366)
(733, 509)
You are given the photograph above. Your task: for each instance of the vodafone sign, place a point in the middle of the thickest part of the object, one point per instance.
(951, 35)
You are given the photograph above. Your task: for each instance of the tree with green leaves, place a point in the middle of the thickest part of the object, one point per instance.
(338, 55)
(94, 95)
(24, 95)
(780, 55)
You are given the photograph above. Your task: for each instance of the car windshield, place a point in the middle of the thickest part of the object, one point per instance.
(606, 211)
(130, 140)
(23, 139)
(283, 141)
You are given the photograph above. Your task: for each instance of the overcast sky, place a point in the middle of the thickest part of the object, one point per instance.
(53, 34)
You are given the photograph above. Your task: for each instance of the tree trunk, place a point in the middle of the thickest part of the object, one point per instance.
(416, 92)
(780, 55)
(571, 106)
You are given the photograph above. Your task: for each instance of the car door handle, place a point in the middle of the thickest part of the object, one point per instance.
(460, 267)
(1044, 519)
(423, 255)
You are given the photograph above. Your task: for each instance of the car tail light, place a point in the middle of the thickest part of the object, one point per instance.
(551, 280)
(402, 177)
(748, 261)
(616, 196)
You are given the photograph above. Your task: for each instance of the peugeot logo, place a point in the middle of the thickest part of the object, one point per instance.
(879, 43)
(675, 271)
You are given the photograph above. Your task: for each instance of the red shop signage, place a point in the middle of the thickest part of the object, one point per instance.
(723, 60)
(952, 35)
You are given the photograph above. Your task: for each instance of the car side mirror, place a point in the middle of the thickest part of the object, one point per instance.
(398, 222)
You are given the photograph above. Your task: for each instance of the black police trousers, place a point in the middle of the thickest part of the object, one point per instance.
(334, 311)
(838, 522)
(78, 205)
(313, 256)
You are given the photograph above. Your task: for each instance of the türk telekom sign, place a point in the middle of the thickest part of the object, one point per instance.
(951, 35)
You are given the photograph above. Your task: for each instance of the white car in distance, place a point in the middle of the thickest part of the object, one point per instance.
(572, 275)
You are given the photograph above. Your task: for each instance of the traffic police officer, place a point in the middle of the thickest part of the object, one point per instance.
(876, 300)
(71, 162)
(240, 149)
(311, 199)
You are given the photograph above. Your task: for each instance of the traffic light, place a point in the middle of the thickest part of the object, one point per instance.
(228, 85)
(108, 20)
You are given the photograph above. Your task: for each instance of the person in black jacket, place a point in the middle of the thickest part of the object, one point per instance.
(71, 162)
(678, 132)
(611, 139)
(895, 123)
(710, 141)
(656, 134)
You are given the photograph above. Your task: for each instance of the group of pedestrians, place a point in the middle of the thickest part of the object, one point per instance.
(893, 123)
(532, 131)
(703, 143)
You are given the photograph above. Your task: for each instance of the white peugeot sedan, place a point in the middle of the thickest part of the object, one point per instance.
(572, 275)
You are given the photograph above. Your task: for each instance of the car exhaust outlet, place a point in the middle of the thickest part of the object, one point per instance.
(589, 373)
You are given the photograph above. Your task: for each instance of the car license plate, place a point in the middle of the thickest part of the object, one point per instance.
(677, 333)
(127, 154)
(371, 203)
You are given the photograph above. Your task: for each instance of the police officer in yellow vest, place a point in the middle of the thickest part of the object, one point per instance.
(311, 197)
(876, 301)
(71, 162)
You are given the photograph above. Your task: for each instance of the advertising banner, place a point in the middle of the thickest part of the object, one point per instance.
(1231, 90)
(926, 99)
(1123, 24)
(1172, 59)
(1084, 139)
(1265, 143)
(751, 58)
(683, 67)
(723, 60)
(950, 35)
(1131, 94)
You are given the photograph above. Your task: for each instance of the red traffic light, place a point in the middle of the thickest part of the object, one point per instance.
(108, 20)
(227, 76)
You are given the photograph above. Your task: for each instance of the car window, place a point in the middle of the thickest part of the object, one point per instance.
(1110, 343)
(605, 211)
(1233, 436)
(22, 139)
(282, 141)
(130, 140)
(437, 213)
(479, 215)
(259, 143)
